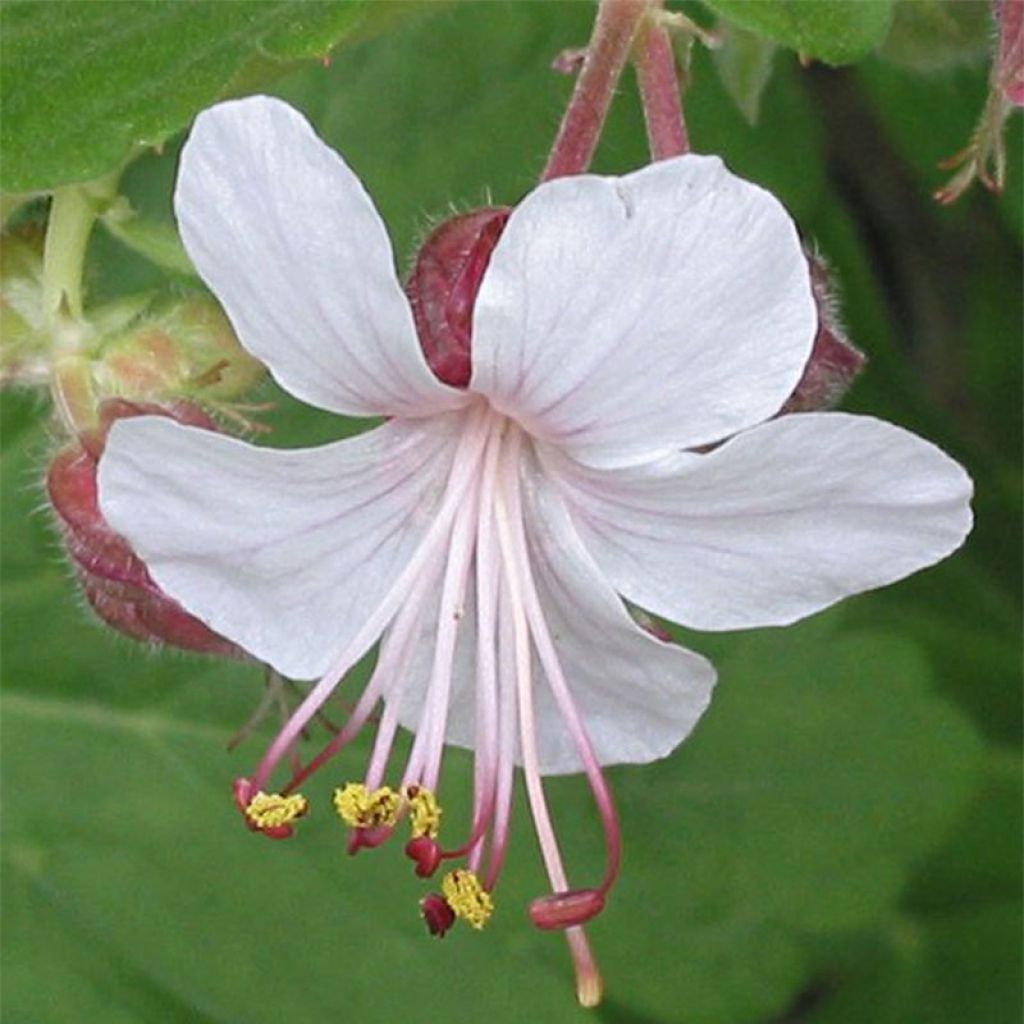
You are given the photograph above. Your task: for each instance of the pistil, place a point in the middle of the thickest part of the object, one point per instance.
(507, 512)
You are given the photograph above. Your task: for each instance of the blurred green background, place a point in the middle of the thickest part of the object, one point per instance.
(839, 842)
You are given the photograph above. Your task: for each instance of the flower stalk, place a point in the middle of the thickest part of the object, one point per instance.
(614, 30)
(658, 80)
(73, 211)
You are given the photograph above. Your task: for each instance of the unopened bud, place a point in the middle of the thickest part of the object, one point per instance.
(833, 362)
(443, 286)
(186, 349)
(114, 579)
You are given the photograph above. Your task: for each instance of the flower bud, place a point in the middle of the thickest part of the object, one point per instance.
(833, 362)
(185, 349)
(114, 579)
(443, 285)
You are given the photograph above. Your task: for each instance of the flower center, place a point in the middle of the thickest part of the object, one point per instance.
(471, 586)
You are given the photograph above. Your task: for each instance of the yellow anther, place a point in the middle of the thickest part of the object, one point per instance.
(424, 811)
(271, 810)
(467, 897)
(359, 808)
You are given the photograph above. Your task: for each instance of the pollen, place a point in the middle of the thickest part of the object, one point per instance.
(424, 812)
(467, 897)
(272, 810)
(358, 807)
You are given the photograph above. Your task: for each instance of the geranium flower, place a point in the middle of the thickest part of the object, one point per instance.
(632, 339)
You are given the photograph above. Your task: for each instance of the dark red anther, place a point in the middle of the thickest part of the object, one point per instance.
(367, 838)
(275, 831)
(443, 286)
(833, 362)
(426, 853)
(242, 791)
(437, 914)
(566, 909)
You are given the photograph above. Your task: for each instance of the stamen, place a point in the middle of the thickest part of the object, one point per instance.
(522, 655)
(462, 476)
(426, 853)
(559, 687)
(362, 808)
(273, 811)
(485, 760)
(565, 909)
(424, 763)
(467, 897)
(393, 661)
(506, 745)
(438, 915)
(424, 811)
(588, 977)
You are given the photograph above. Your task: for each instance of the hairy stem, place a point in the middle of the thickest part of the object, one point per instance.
(614, 29)
(658, 80)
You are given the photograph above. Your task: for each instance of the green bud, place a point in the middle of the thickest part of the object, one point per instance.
(182, 349)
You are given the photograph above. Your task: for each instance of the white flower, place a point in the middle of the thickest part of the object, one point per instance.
(632, 338)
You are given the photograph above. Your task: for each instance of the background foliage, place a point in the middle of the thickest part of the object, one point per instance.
(839, 842)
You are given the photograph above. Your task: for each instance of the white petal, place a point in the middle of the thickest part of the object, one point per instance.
(776, 524)
(287, 238)
(639, 697)
(284, 552)
(411, 690)
(669, 308)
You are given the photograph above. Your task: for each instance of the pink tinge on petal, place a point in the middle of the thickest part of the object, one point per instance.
(1008, 72)
(114, 579)
(443, 285)
(834, 362)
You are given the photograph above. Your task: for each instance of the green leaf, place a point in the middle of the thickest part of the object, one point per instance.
(933, 35)
(156, 241)
(85, 83)
(833, 31)
(744, 63)
(941, 969)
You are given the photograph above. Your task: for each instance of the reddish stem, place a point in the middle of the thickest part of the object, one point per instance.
(614, 28)
(658, 80)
